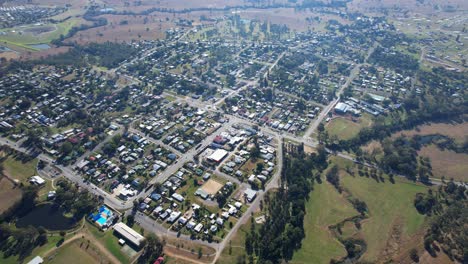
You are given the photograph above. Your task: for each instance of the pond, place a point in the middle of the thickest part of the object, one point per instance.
(39, 46)
(47, 216)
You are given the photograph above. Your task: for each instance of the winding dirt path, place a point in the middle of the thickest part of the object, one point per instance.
(95, 243)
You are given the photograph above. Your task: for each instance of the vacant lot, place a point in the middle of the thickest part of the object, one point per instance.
(9, 194)
(446, 163)
(325, 207)
(459, 132)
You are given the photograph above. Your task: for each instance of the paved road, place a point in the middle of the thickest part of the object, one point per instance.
(254, 206)
(354, 72)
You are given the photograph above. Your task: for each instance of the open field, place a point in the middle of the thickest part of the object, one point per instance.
(237, 245)
(36, 34)
(122, 28)
(16, 169)
(392, 217)
(446, 163)
(109, 241)
(75, 252)
(459, 132)
(325, 207)
(9, 194)
(38, 251)
(345, 129)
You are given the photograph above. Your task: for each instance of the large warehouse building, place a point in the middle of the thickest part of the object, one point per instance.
(128, 234)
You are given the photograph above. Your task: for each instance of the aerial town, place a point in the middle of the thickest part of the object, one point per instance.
(232, 137)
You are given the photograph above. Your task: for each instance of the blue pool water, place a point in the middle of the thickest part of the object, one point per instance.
(101, 221)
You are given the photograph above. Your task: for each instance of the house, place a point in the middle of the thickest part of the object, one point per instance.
(198, 228)
(250, 195)
(128, 234)
(37, 180)
(178, 197)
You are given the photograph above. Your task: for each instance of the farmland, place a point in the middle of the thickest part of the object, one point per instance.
(446, 163)
(325, 207)
(457, 131)
(392, 219)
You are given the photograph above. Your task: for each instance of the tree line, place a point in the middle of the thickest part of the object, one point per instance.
(283, 230)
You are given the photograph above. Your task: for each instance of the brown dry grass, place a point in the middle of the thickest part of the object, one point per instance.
(212, 187)
(9, 194)
(447, 163)
(138, 28)
(457, 131)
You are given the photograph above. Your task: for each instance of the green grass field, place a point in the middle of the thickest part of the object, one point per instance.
(346, 129)
(110, 241)
(237, 246)
(24, 39)
(39, 251)
(72, 253)
(9, 194)
(390, 206)
(18, 170)
(325, 207)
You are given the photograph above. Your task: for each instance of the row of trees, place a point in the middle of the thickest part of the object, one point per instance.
(283, 230)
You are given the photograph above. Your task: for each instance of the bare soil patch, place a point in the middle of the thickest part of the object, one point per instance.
(212, 187)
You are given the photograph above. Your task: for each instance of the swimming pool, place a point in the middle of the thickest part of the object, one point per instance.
(101, 221)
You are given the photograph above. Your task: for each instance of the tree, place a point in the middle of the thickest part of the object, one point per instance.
(130, 220)
(153, 249)
(414, 255)
(333, 177)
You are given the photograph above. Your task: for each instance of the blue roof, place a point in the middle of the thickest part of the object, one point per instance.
(155, 196)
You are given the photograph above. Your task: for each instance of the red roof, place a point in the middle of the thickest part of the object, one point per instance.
(160, 260)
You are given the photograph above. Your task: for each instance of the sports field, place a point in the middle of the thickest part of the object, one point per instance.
(345, 128)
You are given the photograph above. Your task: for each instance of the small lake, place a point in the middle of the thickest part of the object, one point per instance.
(39, 46)
(47, 216)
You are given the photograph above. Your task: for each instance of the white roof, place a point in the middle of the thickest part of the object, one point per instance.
(38, 180)
(250, 194)
(128, 233)
(36, 260)
(218, 155)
